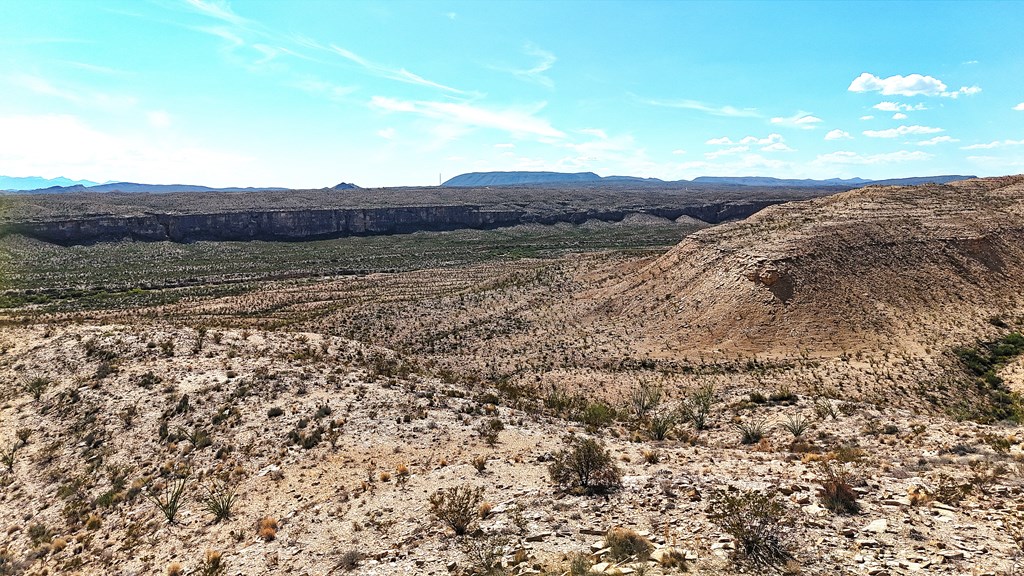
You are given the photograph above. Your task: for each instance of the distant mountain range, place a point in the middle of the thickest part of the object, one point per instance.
(35, 182)
(477, 179)
(62, 185)
(38, 185)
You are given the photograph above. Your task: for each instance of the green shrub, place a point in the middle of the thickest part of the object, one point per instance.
(585, 465)
(752, 432)
(697, 406)
(219, 499)
(168, 498)
(643, 399)
(660, 425)
(597, 415)
(795, 425)
(758, 523)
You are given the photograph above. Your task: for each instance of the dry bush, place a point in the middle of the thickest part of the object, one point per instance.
(836, 492)
(480, 463)
(625, 544)
(457, 507)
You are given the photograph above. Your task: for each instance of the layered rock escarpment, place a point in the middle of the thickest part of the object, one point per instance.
(333, 223)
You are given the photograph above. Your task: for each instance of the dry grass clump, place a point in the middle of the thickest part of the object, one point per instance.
(485, 509)
(267, 528)
(175, 569)
(624, 544)
(213, 564)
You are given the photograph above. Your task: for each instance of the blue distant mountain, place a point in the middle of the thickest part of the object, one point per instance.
(35, 182)
(478, 179)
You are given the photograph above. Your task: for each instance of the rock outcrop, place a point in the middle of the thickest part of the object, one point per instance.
(318, 224)
(838, 272)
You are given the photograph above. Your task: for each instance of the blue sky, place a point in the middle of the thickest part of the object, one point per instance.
(309, 94)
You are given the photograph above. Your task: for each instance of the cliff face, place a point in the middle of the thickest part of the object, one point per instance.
(317, 224)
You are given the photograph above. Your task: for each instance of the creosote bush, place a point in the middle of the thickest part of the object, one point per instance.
(758, 523)
(457, 507)
(586, 466)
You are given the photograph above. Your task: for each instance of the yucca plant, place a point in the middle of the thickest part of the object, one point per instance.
(220, 497)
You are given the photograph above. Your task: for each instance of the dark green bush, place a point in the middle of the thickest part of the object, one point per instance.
(585, 465)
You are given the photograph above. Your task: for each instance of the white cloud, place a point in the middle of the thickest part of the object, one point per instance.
(679, 151)
(386, 133)
(1019, 107)
(965, 90)
(899, 116)
(937, 140)
(801, 120)
(777, 147)
(726, 152)
(83, 97)
(217, 9)
(770, 139)
(594, 132)
(846, 157)
(63, 145)
(333, 91)
(901, 131)
(911, 85)
(897, 107)
(398, 74)
(545, 60)
(837, 134)
(505, 145)
(723, 141)
(867, 117)
(514, 121)
(731, 111)
(994, 144)
(158, 119)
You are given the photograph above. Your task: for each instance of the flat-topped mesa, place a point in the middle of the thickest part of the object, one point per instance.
(329, 213)
(837, 273)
